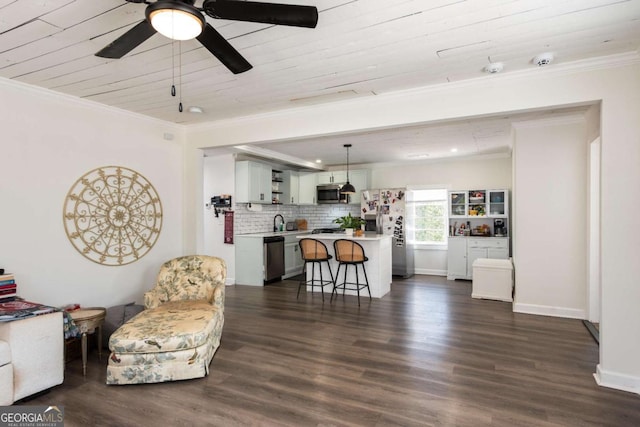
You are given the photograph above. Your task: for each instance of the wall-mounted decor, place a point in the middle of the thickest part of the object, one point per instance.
(112, 215)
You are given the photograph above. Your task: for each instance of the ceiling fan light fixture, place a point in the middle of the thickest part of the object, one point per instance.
(175, 20)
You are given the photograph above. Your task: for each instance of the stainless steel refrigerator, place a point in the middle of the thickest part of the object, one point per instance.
(386, 209)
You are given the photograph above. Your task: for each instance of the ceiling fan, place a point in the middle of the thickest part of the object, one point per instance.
(182, 20)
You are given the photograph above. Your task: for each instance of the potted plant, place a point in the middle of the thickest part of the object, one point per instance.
(349, 223)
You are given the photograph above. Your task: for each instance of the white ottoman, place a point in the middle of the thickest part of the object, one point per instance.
(37, 352)
(6, 375)
(493, 279)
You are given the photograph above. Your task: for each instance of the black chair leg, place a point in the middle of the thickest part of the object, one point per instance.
(344, 285)
(357, 283)
(335, 283)
(304, 278)
(321, 280)
(366, 280)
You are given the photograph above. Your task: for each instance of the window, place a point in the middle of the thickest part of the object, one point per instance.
(427, 217)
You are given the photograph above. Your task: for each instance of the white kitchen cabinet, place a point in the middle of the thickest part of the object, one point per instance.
(332, 177)
(307, 183)
(250, 249)
(458, 204)
(497, 203)
(483, 213)
(463, 251)
(253, 182)
(292, 259)
(479, 203)
(290, 188)
(457, 258)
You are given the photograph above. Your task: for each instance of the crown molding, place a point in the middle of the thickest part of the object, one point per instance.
(85, 103)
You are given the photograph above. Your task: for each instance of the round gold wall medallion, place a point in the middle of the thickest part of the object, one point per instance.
(112, 215)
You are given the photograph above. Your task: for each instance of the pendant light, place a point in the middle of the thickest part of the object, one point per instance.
(348, 188)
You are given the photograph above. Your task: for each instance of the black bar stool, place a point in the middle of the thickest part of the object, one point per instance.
(315, 252)
(349, 252)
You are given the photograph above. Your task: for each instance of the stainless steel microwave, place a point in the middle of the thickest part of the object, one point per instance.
(330, 193)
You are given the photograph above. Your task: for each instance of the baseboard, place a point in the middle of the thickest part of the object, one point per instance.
(617, 381)
(230, 281)
(430, 272)
(491, 297)
(545, 310)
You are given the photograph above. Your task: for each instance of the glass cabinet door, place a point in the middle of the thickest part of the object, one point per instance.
(498, 203)
(477, 203)
(457, 204)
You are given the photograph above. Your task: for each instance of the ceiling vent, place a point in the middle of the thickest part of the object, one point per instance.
(543, 59)
(494, 67)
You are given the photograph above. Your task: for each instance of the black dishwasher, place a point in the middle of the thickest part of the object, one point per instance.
(273, 258)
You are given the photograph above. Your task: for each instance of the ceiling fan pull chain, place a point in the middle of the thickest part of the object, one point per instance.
(180, 74)
(173, 69)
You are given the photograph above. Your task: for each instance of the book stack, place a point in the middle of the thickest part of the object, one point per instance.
(19, 309)
(7, 287)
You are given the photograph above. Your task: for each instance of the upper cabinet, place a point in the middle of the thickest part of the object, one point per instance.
(307, 182)
(290, 188)
(253, 182)
(458, 204)
(276, 187)
(332, 177)
(479, 203)
(497, 203)
(260, 183)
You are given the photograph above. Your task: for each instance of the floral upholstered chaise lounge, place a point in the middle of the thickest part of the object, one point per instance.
(176, 335)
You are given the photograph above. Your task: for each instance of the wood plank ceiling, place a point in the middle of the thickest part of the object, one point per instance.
(360, 48)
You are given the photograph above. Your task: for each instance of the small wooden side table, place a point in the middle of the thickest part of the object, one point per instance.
(88, 320)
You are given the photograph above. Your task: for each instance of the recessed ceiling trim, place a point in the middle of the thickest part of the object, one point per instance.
(276, 156)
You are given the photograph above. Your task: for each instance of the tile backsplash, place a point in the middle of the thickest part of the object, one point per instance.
(317, 216)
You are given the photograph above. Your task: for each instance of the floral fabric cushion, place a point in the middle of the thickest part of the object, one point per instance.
(176, 325)
(193, 277)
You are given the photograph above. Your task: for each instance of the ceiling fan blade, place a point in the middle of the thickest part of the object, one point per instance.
(267, 13)
(221, 49)
(128, 41)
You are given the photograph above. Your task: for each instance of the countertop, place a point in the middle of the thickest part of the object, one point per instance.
(336, 236)
(274, 233)
(479, 237)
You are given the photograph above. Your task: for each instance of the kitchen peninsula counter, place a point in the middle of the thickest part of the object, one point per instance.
(377, 247)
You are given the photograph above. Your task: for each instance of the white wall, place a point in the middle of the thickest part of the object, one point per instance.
(465, 174)
(490, 172)
(49, 142)
(550, 211)
(219, 178)
(615, 82)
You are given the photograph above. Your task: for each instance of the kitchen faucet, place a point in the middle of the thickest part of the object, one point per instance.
(275, 227)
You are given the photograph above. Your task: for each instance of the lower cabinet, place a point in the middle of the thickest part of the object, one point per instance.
(292, 259)
(250, 249)
(457, 258)
(463, 251)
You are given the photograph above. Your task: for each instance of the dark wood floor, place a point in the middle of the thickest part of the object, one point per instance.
(426, 354)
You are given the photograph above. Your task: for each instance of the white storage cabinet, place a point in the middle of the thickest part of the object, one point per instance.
(493, 279)
(463, 251)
